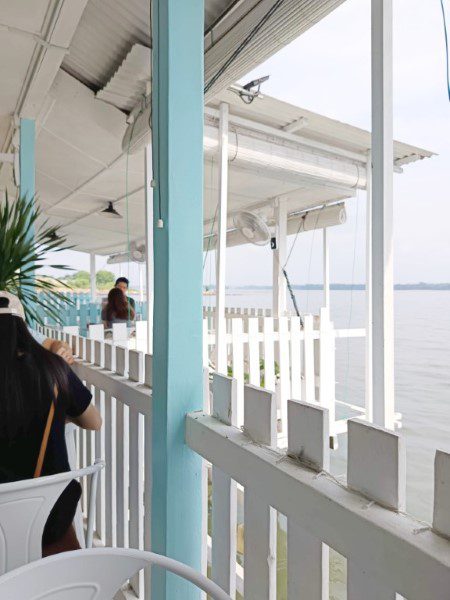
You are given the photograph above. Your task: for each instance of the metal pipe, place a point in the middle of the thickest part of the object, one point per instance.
(221, 356)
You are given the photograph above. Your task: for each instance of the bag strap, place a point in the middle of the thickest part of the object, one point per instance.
(43, 450)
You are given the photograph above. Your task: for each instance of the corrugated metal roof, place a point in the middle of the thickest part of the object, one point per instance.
(128, 83)
(105, 35)
(291, 19)
(109, 29)
(277, 114)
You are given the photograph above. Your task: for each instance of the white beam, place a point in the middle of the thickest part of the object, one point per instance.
(382, 215)
(221, 356)
(368, 296)
(296, 125)
(326, 269)
(6, 157)
(61, 26)
(93, 277)
(141, 283)
(149, 244)
(279, 287)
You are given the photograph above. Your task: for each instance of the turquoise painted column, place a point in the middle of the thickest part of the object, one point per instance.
(177, 140)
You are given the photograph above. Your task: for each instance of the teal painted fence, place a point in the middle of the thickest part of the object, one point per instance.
(82, 312)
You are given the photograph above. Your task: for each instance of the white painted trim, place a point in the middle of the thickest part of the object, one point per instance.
(326, 268)
(279, 287)
(221, 249)
(149, 244)
(382, 214)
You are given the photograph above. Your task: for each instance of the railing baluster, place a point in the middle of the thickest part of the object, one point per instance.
(376, 468)
(224, 498)
(238, 365)
(284, 382)
(296, 359)
(110, 472)
(253, 352)
(308, 557)
(147, 497)
(136, 492)
(120, 473)
(260, 520)
(327, 367)
(269, 355)
(310, 383)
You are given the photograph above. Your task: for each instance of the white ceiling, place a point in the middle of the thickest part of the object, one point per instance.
(80, 166)
(79, 161)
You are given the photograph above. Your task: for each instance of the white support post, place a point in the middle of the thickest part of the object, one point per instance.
(279, 286)
(221, 354)
(141, 283)
(326, 269)
(368, 340)
(93, 277)
(382, 215)
(149, 245)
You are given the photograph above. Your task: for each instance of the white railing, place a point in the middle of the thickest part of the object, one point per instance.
(292, 360)
(283, 355)
(388, 553)
(120, 381)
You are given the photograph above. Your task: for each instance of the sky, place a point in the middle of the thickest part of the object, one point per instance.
(327, 70)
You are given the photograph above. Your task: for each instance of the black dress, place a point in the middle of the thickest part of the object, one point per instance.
(18, 457)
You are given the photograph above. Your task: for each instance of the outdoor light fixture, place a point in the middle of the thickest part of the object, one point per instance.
(110, 212)
(252, 89)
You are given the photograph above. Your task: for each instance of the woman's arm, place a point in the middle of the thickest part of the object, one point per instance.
(89, 419)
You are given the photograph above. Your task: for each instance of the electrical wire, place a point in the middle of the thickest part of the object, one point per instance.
(446, 47)
(242, 46)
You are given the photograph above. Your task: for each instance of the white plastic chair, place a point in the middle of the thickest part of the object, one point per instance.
(24, 509)
(92, 575)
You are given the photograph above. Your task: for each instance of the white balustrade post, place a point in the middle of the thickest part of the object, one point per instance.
(221, 353)
(224, 494)
(260, 519)
(326, 269)
(149, 244)
(368, 294)
(308, 557)
(376, 468)
(279, 287)
(382, 215)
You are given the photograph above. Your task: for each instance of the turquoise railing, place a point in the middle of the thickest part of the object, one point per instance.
(82, 312)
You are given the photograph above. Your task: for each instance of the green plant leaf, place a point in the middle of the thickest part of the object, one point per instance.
(22, 256)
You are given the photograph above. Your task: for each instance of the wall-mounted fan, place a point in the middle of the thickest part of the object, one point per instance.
(252, 227)
(136, 254)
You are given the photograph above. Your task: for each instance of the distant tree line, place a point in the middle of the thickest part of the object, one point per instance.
(82, 280)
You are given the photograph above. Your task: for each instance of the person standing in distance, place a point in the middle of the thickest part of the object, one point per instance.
(122, 283)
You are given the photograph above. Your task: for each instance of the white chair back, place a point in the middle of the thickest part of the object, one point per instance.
(92, 575)
(24, 509)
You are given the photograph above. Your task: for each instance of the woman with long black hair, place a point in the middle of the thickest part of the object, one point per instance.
(38, 389)
(117, 309)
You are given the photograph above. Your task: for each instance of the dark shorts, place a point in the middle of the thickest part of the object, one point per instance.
(62, 514)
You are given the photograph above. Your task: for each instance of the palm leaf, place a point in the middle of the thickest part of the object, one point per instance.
(23, 255)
